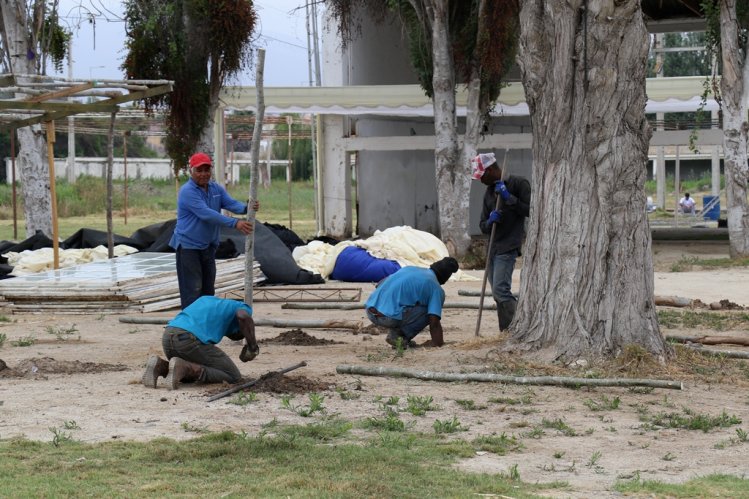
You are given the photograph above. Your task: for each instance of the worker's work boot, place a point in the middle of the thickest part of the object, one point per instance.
(181, 371)
(155, 367)
(505, 313)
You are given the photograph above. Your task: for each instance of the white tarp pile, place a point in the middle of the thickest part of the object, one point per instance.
(405, 245)
(30, 262)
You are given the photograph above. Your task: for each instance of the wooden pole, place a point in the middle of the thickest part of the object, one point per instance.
(110, 161)
(360, 306)
(254, 382)
(500, 378)
(52, 192)
(261, 321)
(13, 179)
(124, 157)
(257, 134)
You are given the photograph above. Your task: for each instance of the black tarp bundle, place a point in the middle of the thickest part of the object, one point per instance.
(271, 252)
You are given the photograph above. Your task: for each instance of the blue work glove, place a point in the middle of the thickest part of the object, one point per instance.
(501, 189)
(494, 217)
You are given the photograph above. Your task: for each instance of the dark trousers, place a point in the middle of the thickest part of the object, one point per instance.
(217, 365)
(196, 273)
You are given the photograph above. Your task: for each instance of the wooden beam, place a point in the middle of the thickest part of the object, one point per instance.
(65, 92)
(71, 107)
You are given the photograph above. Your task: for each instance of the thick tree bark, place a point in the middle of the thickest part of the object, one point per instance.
(587, 278)
(32, 152)
(733, 89)
(453, 181)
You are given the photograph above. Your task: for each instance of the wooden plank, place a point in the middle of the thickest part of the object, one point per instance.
(65, 92)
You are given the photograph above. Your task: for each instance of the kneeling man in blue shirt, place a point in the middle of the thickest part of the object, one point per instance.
(406, 301)
(190, 339)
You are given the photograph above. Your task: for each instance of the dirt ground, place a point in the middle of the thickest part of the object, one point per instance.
(89, 373)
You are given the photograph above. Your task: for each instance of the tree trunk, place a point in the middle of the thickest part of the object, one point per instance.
(587, 280)
(453, 181)
(734, 94)
(32, 156)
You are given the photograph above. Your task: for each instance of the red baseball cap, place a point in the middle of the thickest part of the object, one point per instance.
(200, 159)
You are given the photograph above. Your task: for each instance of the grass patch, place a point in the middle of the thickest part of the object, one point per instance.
(707, 486)
(418, 406)
(603, 403)
(3, 337)
(243, 399)
(688, 420)
(498, 444)
(448, 426)
(228, 464)
(716, 321)
(390, 422)
(23, 341)
(559, 425)
(687, 263)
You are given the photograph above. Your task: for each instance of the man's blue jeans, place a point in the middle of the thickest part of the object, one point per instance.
(196, 273)
(414, 320)
(500, 275)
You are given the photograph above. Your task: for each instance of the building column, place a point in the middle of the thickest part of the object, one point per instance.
(335, 178)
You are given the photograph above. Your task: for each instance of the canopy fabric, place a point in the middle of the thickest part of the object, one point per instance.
(680, 94)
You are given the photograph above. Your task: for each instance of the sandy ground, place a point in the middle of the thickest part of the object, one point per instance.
(53, 384)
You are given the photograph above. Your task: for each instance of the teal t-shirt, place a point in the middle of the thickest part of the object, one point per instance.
(408, 287)
(210, 318)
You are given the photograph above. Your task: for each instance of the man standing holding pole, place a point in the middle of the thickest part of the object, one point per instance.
(513, 196)
(196, 235)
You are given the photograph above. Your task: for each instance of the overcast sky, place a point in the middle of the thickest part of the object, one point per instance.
(98, 47)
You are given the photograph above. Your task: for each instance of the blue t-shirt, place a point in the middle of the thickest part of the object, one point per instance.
(210, 318)
(406, 288)
(199, 217)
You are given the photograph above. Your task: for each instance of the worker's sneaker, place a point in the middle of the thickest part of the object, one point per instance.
(155, 367)
(181, 371)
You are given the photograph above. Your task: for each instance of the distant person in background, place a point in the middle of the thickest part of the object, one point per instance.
(196, 235)
(686, 204)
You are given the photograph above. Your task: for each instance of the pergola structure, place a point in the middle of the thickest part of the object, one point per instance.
(27, 100)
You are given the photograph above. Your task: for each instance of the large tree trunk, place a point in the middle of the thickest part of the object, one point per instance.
(587, 278)
(32, 156)
(733, 91)
(453, 181)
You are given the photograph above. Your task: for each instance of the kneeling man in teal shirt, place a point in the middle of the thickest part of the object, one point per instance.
(190, 339)
(405, 302)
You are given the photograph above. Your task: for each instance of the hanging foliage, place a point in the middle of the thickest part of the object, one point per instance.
(199, 44)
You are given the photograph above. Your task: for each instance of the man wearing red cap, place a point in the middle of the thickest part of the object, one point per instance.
(196, 235)
(515, 198)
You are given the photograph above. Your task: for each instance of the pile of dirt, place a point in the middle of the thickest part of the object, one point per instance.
(47, 365)
(725, 305)
(372, 329)
(276, 383)
(299, 338)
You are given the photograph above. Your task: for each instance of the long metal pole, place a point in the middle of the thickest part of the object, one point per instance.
(110, 162)
(124, 157)
(13, 178)
(313, 127)
(289, 121)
